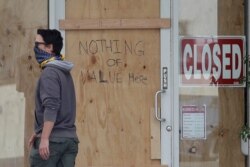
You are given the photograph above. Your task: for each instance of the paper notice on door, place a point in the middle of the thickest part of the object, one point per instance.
(193, 122)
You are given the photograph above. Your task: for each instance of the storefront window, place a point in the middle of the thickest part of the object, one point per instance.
(210, 116)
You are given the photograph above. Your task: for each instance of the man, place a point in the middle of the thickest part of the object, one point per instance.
(54, 142)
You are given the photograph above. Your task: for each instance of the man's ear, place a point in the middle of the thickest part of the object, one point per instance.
(49, 48)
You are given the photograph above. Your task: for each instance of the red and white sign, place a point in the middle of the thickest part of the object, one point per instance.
(212, 61)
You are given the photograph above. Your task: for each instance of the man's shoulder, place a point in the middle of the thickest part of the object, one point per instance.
(50, 72)
(50, 69)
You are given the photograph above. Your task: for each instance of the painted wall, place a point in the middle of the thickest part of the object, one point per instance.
(12, 112)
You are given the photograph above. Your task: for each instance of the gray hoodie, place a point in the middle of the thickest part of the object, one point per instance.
(55, 100)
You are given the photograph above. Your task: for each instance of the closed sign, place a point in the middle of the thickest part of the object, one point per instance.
(212, 61)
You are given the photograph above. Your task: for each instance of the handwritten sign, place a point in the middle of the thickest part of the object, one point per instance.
(113, 56)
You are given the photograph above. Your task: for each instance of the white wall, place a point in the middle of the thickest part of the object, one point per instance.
(12, 111)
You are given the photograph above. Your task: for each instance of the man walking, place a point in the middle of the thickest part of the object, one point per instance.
(54, 142)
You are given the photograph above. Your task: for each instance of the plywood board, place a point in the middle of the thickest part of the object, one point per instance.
(17, 64)
(116, 75)
(20, 25)
(8, 42)
(155, 127)
(115, 93)
(231, 122)
(231, 100)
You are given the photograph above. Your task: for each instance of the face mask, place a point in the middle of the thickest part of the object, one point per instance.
(41, 55)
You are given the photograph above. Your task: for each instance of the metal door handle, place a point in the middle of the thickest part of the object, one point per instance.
(156, 106)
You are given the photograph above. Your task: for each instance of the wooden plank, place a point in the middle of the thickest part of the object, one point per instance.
(155, 128)
(231, 100)
(231, 121)
(9, 42)
(88, 24)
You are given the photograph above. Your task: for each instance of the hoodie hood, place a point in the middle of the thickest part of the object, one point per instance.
(63, 65)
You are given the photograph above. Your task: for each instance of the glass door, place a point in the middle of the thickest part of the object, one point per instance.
(210, 117)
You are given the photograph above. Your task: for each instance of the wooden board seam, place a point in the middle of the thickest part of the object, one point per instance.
(97, 24)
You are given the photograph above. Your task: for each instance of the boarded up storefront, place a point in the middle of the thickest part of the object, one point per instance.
(117, 73)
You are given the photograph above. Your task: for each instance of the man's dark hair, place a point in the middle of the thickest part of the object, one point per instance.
(52, 37)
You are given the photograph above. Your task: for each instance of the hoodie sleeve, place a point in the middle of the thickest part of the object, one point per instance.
(50, 94)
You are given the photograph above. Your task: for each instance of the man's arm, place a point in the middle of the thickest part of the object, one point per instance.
(44, 145)
(50, 93)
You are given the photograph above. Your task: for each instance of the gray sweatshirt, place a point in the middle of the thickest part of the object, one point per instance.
(55, 100)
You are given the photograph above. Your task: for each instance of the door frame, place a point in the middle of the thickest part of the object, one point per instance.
(56, 13)
(170, 98)
(169, 58)
(176, 73)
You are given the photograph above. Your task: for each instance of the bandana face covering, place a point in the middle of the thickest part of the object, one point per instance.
(43, 57)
